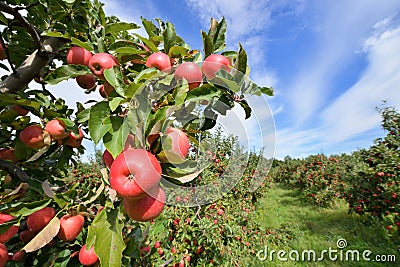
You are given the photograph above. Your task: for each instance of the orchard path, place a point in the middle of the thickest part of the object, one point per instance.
(297, 225)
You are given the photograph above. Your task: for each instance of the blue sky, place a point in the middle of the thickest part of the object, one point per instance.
(330, 62)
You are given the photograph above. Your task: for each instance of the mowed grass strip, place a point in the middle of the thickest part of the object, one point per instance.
(294, 224)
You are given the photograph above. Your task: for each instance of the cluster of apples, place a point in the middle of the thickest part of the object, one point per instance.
(35, 137)
(97, 63)
(135, 174)
(190, 71)
(71, 226)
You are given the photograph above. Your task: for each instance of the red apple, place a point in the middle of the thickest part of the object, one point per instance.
(213, 63)
(4, 237)
(20, 111)
(18, 256)
(147, 208)
(87, 256)
(135, 172)
(191, 73)
(107, 158)
(179, 149)
(2, 52)
(39, 219)
(157, 244)
(87, 81)
(74, 140)
(8, 154)
(100, 62)
(70, 226)
(159, 60)
(32, 136)
(26, 236)
(56, 129)
(105, 89)
(78, 55)
(3, 255)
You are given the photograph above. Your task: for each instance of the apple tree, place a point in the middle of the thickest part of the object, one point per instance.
(158, 101)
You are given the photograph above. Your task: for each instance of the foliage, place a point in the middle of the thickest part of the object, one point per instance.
(144, 102)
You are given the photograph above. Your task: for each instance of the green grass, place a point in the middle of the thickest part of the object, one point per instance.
(297, 225)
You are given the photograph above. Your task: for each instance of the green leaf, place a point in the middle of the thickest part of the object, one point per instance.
(207, 44)
(11, 99)
(78, 42)
(24, 208)
(246, 107)
(177, 51)
(204, 92)
(66, 72)
(115, 102)
(241, 61)
(228, 81)
(150, 27)
(56, 34)
(170, 37)
(114, 77)
(146, 74)
(105, 233)
(120, 26)
(99, 121)
(147, 43)
(114, 139)
(83, 116)
(218, 36)
(267, 90)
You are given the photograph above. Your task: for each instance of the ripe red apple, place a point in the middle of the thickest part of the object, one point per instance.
(135, 172)
(20, 111)
(159, 60)
(4, 237)
(87, 256)
(18, 256)
(39, 219)
(8, 154)
(32, 136)
(56, 129)
(3, 255)
(70, 226)
(26, 236)
(100, 62)
(105, 89)
(74, 140)
(87, 81)
(78, 55)
(157, 244)
(147, 208)
(177, 153)
(107, 158)
(191, 72)
(213, 63)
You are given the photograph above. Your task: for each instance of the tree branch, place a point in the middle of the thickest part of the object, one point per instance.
(24, 23)
(12, 168)
(31, 67)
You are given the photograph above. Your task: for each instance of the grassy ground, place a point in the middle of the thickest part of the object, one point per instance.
(296, 225)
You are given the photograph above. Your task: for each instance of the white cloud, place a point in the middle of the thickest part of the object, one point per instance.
(333, 46)
(353, 112)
